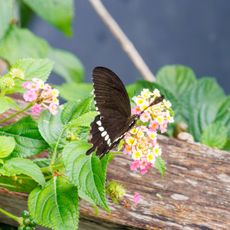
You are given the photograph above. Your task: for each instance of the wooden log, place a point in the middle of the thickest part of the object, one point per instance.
(194, 193)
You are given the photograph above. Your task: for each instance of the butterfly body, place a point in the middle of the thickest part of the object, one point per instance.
(113, 105)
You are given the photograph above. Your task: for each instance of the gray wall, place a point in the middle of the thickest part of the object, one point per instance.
(189, 32)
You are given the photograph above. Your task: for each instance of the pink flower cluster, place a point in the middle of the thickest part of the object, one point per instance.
(42, 95)
(141, 141)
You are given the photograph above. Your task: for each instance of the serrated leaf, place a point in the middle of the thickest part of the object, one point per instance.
(6, 15)
(55, 205)
(7, 103)
(18, 166)
(7, 145)
(35, 68)
(51, 127)
(84, 120)
(160, 165)
(215, 135)
(67, 65)
(73, 109)
(75, 91)
(21, 43)
(177, 79)
(28, 139)
(203, 102)
(57, 12)
(86, 172)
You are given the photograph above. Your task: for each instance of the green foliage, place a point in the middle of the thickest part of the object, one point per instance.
(202, 103)
(51, 127)
(28, 139)
(160, 165)
(7, 103)
(67, 65)
(223, 116)
(55, 205)
(215, 135)
(18, 166)
(21, 43)
(75, 91)
(7, 146)
(17, 183)
(177, 79)
(86, 172)
(57, 12)
(6, 15)
(75, 109)
(39, 68)
(84, 120)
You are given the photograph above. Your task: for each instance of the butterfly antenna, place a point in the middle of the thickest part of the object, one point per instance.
(156, 101)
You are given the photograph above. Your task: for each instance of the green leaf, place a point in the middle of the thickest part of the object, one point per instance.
(6, 15)
(75, 109)
(86, 172)
(215, 135)
(35, 68)
(223, 116)
(7, 146)
(51, 127)
(21, 43)
(202, 103)
(7, 103)
(160, 165)
(75, 91)
(177, 79)
(55, 205)
(67, 65)
(18, 166)
(17, 183)
(84, 120)
(28, 139)
(59, 13)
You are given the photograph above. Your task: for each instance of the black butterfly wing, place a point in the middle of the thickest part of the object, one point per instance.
(112, 103)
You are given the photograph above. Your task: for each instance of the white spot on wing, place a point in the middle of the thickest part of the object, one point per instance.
(109, 142)
(106, 137)
(96, 108)
(98, 123)
(101, 128)
(103, 133)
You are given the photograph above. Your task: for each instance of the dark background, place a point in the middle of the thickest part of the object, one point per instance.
(189, 32)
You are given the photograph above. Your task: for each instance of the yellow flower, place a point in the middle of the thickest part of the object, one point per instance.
(160, 119)
(157, 150)
(140, 133)
(167, 104)
(131, 141)
(137, 155)
(133, 131)
(153, 135)
(55, 92)
(156, 93)
(146, 93)
(150, 158)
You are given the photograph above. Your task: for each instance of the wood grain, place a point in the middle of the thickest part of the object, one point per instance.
(194, 194)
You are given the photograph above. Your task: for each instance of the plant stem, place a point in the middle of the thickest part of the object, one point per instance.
(17, 113)
(55, 152)
(125, 43)
(15, 218)
(47, 169)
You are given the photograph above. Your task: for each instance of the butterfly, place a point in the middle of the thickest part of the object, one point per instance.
(113, 105)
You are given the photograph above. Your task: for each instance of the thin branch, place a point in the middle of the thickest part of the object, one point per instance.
(126, 44)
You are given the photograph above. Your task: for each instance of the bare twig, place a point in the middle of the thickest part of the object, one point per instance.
(126, 44)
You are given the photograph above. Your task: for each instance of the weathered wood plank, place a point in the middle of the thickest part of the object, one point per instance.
(194, 194)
